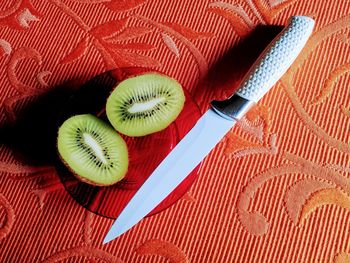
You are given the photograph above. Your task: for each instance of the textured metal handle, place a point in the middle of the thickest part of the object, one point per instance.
(269, 67)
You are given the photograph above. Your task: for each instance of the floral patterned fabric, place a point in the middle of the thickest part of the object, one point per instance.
(275, 189)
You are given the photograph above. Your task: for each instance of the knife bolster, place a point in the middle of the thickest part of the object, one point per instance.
(234, 108)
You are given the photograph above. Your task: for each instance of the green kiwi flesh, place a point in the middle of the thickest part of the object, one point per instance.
(144, 104)
(92, 150)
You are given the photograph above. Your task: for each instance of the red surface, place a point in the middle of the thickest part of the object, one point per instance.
(276, 189)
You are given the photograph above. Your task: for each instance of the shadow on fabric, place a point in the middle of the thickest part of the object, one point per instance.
(227, 72)
(32, 135)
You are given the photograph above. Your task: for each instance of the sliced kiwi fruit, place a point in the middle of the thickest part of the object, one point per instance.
(145, 104)
(92, 150)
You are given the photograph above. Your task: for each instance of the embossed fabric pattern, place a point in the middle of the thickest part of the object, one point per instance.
(275, 189)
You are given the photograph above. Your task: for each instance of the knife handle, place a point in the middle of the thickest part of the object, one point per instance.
(271, 65)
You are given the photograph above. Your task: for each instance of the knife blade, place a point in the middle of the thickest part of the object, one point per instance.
(215, 123)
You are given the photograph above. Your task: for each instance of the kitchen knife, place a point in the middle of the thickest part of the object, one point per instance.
(215, 123)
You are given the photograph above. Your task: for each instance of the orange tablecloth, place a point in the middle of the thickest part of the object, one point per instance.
(276, 189)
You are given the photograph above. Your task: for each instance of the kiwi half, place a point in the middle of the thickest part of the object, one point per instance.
(145, 104)
(92, 150)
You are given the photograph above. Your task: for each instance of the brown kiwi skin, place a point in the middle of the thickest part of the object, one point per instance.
(82, 179)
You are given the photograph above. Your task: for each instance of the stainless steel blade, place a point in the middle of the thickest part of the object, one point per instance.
(186, 155)
(215, 123)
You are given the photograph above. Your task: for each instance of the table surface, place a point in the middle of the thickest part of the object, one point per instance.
(275, 189)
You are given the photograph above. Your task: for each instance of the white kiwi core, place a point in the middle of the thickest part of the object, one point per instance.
(93, 144)
(144, 106)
